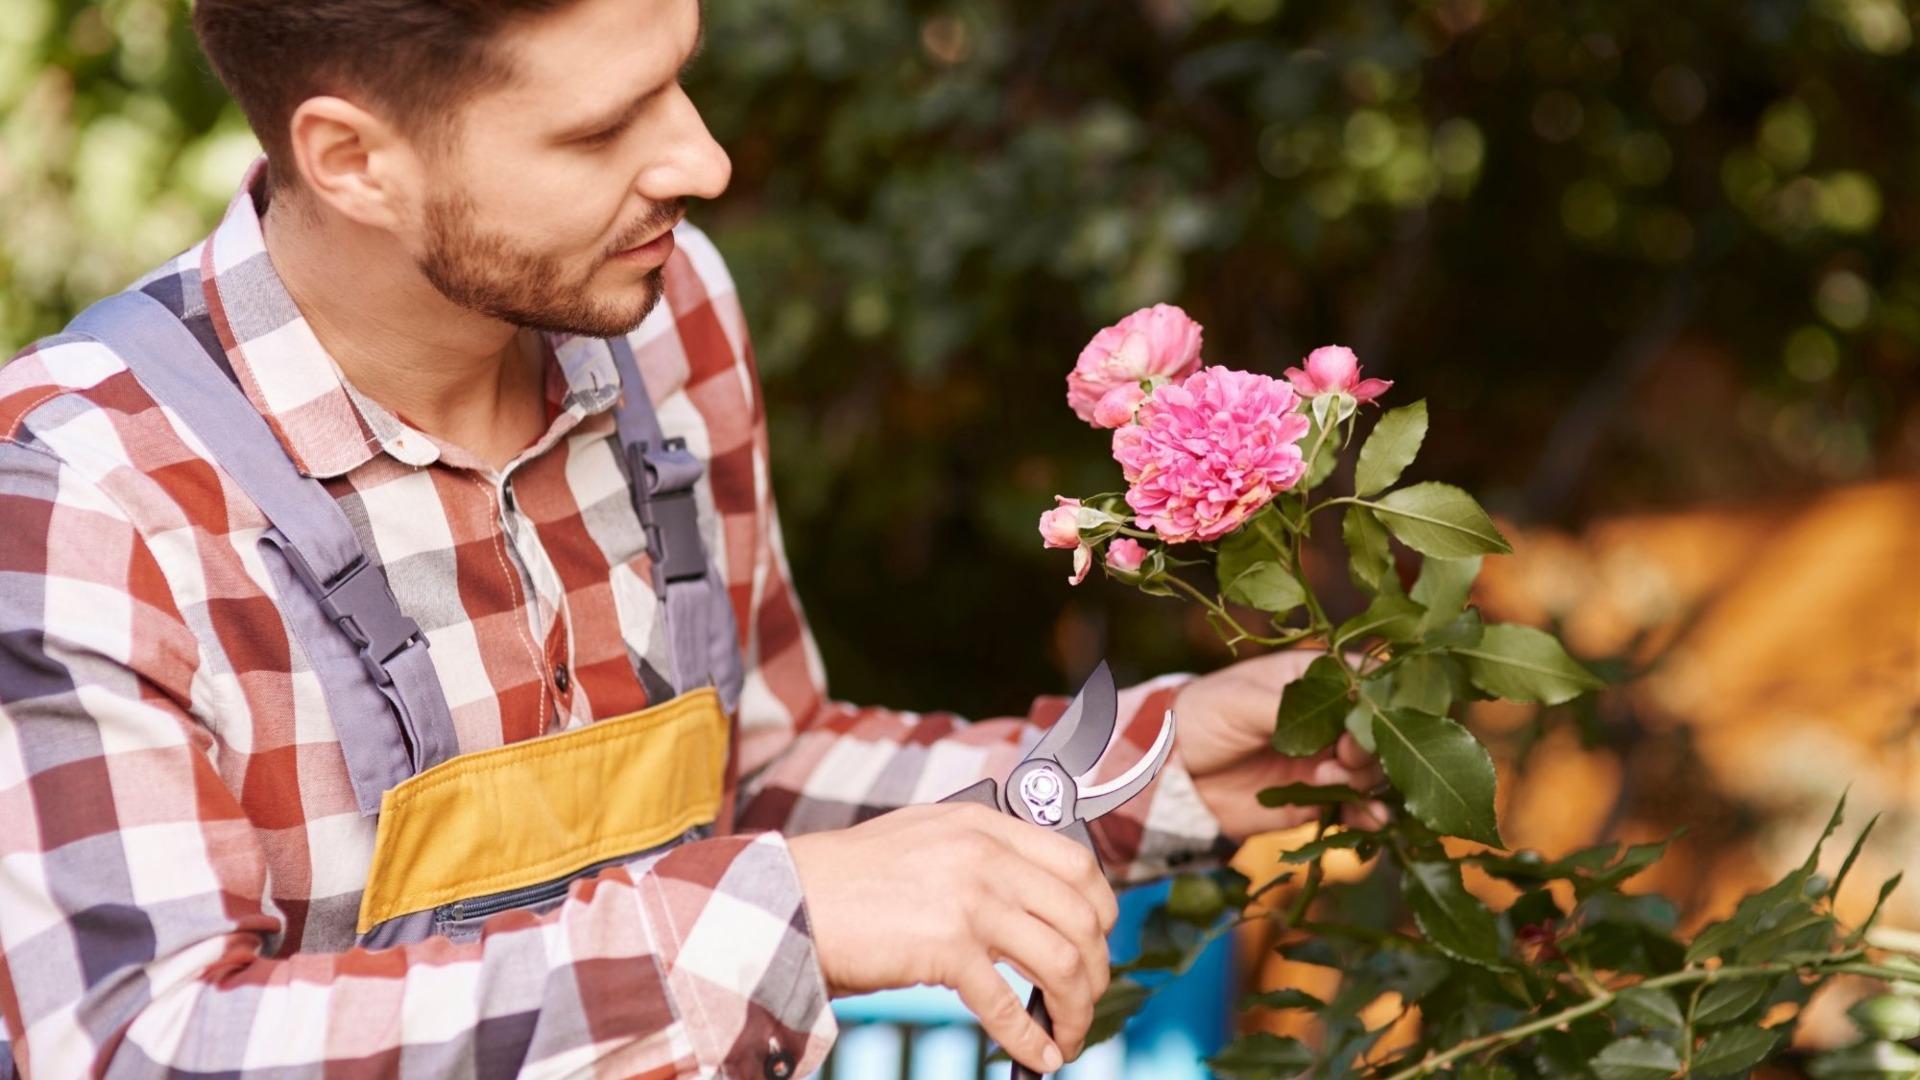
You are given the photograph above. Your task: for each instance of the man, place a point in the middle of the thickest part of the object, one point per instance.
(459, 200)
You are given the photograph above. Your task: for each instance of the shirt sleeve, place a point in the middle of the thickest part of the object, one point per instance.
(809, 762)
(137, 939)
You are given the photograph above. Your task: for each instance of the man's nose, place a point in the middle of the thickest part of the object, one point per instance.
(690, 164)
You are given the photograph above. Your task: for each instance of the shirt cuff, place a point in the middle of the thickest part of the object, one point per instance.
(739, 957)
(1168, 827)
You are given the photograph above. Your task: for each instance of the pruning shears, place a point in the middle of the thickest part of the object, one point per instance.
(1048, 787)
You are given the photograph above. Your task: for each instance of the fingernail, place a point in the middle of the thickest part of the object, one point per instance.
(1052, 1059)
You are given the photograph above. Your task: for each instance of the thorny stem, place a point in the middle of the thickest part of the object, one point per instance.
(1703, 976)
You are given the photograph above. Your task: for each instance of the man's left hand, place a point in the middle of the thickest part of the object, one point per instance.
(1225, 724)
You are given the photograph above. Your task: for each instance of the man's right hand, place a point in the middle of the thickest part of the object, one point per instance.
(939, 894)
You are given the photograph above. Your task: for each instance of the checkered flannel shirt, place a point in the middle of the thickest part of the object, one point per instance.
(181, 860)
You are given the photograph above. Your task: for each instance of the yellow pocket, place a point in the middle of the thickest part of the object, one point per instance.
(517, 815)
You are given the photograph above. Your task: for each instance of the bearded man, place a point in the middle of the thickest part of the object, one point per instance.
(399, 670)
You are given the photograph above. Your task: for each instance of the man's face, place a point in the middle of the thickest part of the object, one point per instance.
(540, 208)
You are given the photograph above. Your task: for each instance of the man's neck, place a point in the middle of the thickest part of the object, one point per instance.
(459, 376)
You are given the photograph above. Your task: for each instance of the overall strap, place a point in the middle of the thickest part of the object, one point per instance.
(379, 673)
(663, 473)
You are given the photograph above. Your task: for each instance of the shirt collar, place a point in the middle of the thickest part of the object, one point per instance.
(326, 424)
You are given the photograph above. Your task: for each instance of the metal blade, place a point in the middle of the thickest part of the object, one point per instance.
(1097, 799)
(1080, 736)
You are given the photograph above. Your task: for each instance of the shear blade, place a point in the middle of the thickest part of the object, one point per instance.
(1081, 734)
(1097, 799)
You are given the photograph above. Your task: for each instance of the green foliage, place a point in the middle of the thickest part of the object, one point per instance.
(1604, 989)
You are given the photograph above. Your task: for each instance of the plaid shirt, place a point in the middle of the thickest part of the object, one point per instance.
(181, 860)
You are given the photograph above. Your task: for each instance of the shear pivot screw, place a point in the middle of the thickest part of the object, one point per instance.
(1040, 790)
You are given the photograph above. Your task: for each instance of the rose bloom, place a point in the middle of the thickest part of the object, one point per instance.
(1331, 368)
(1060, 526)
(1158, 343)
(1205, 454)
(1126, 555)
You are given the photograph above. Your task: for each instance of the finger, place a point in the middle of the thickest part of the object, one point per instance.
(1052, 963)
(1065, 859)
(1368, 815)
(1063, 908)
(1004, 1018)
(1350, 753)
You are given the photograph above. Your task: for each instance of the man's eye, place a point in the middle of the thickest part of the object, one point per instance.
(603, 136)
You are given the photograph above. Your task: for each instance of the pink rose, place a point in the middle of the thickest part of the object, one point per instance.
(1159, 343)
(1125, 555)
(1205, 454)
(1060, 526)
(1117, 406)
(1334, 368)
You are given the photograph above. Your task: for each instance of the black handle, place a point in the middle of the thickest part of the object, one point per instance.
(1036, 1008)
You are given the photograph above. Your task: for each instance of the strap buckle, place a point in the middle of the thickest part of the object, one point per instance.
(670, 515)
(361, 604)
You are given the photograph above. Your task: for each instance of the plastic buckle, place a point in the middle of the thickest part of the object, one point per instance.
(676, 530)
(361, 604)
(672, 518)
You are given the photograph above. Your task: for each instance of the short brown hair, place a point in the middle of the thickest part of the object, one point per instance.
(413, 59)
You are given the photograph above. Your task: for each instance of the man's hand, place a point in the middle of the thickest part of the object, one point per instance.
(1226, 719)
(939, 894)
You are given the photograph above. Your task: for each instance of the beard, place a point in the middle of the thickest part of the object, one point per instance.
(485, 272)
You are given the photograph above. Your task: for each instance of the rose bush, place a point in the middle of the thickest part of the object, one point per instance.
(1572, 978)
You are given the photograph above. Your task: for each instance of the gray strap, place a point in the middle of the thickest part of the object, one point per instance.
(381, 672)
(663, 473)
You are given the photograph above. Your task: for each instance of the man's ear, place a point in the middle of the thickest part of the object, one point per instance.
(354, 162)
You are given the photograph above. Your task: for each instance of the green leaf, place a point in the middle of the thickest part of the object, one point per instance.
(1445, 774)
(1124, 997)
(1243, 549)
(1311, 709)
(1867, 1059)
(1852, 854)
(1462, 632)
(1262, 1055)
(1390, 616)
(1359, 723)
(1487, 1072)
(1735, 1050)
(1440, 520)
(1370, 560)
(1888, 1016)
(1282, 999)
(1520, 663)
(1267, 586)
(1347, 840)
(1636, 1059)
(1195, 898)
(1652, 1008)
(1723, 1003)
(1770, 906)
(1392, 446)
(1308, 795)
(1886, 890)
(1442, 589)
(1452, 919)
(1425, 684)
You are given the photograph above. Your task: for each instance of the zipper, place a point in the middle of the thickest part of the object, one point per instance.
(481, 907)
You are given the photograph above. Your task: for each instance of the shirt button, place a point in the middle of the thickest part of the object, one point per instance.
(562, 681)
(779, 1066)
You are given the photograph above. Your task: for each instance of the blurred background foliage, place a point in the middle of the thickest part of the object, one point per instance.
(1654, 264)
(1532, 213)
